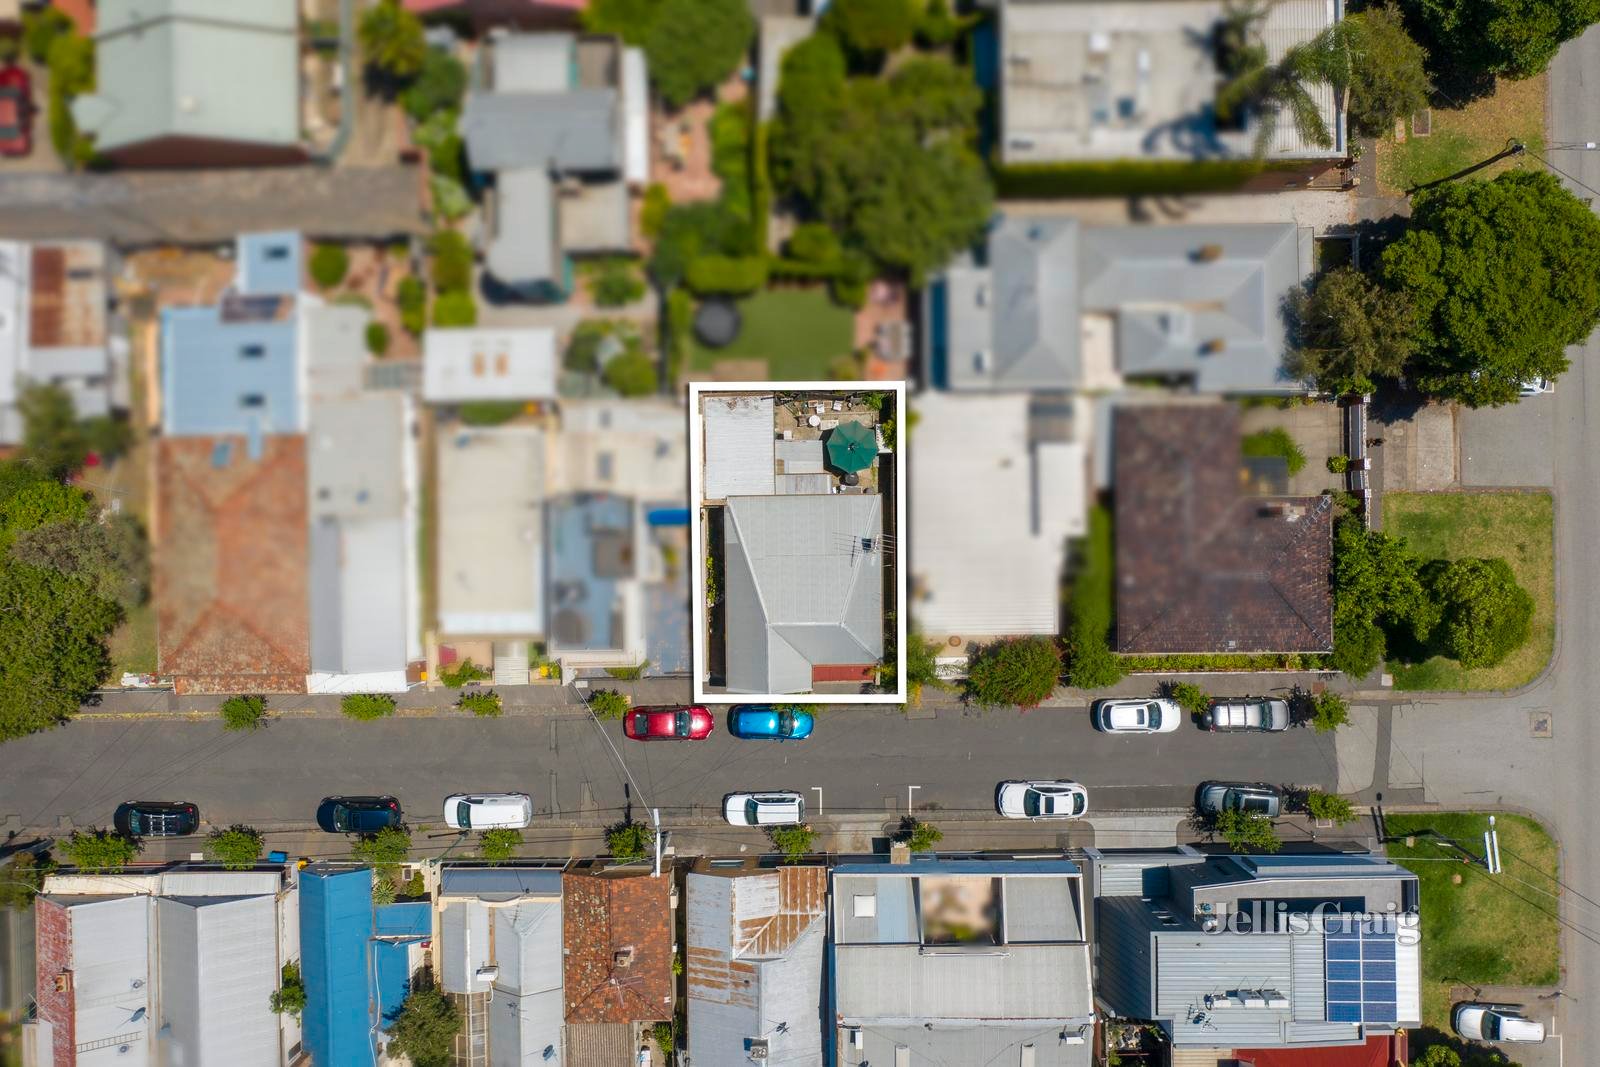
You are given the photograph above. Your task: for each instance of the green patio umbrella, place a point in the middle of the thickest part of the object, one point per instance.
(851, 446)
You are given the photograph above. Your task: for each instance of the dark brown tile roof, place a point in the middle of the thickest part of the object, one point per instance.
(617, 930)
(230, 565)
(1201, 567)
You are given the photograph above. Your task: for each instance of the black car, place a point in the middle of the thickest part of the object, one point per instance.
(358, 815)
(156, 818)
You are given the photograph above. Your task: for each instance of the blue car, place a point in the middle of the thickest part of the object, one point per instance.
(770, 722)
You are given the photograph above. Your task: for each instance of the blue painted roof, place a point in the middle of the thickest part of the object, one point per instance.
(583, 583)
(391, 960)
(229, 375)
(268, 263)
(335, 925)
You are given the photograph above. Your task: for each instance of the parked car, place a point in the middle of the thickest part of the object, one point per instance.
(768, 722)
(1250, 713)
(1254, 797)
(488, 811)
(1041, 800)
(690, 723)
(358, 815)
(1496, 1022)
(781, 808)
(1536, 387)
(1137, 715)
(16, 112)
(156, 818)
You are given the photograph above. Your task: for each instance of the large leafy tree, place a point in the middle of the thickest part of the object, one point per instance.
(426, 1026)
(1513, 38)
(52, 437)
(1373, 64)
(1349, 331)
(873, 25)
(1502, 276)
(1483, 613)
(694, 44)
(1375, 587)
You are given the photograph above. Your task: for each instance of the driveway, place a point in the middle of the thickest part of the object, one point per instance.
(1512, 445)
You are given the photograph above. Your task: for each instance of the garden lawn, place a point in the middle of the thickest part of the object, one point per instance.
(1499, 929)
(1516, 527)
(133, 643)
(1464, 136)
(798, 332)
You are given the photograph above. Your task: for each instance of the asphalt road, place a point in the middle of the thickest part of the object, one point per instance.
(862, 759)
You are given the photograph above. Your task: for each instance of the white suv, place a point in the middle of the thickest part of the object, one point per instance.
(488, 811)
(780, 808)
(1496, 1022)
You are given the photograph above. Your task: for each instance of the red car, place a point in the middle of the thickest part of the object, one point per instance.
(691, 723)
(16, 112)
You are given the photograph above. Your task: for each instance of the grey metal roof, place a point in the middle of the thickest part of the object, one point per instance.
(219, 965)
(525, 1016)
(908, 985)
(1034, 303)
(740, 446)
(111, 974)
(1042, 909)
(354, 456)
(463, 945)
(1025, 1042)
(224, 69)
(804, 587)
(801, 457)
(786, 990)
(522, 240)
(533, 62)
(571, 131)
(874, 909)
(500, 883)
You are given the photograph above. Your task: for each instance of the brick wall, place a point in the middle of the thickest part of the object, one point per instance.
(53, 933)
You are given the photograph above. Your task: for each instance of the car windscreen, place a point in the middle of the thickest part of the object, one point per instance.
(785, 723)
(1491, 1026)
(1032, 803)
(680, 724)
(1155, 715)
(135, 823)
(752, 811)
(641, 723)
(464, 813)
(1079, 802)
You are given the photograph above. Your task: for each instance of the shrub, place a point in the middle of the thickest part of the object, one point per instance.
(873, 25)
(1275, 442)
(237, 848)
(244, 713)
(388, 847)
(23, 878)
(1189, 697)
(1248, 831)
(918, 835)
(41, 27)
(666, 1035)
(392, 41)
(1338, 464)
(1021, 671)
(377, 338)
(455, 308)
(290, 997)
(489, 412)
(632, 374)
(450, 199)
(1330, 807)
(729, 130)
(608, 704)
(417, 886)
(693, 45)
(848, 292)
(1483, 613)
(329, 265)
(452, 260)
(425, 1029)
(72, 70)
(439, 86)
(500, 845)
(680, 319)
(793, 841)
(629, 674)
(412, 297)
(653, 211)
(367, 706)
(615, 282)
(1329, 711)
(94, 851)
(727, 275)
(108, 435)
(629, 840)
(814, 242)
(484, 703)
(464, 673)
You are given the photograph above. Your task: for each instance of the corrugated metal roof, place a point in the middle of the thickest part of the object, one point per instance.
(1041, 909)
(500, 883)
(993, 1046)
(740, 446)
(219, 966)
(522, 247)
(333, 349)
(574, 130)
(908, 985)
(463, 945)
(111, 975)
(228, 377)
(491, 531)
(335, 923)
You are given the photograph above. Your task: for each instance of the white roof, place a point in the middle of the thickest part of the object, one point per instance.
(739, 446)
(635, 117)
(488, 364)
(491, 531)
(990, 516)
(906, 985)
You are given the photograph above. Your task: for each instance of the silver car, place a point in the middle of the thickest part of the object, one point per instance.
(1250, 713)
(1254, 798)
(1137, 715)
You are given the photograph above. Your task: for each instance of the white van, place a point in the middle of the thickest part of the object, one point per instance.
(488, 811)
(764, 809)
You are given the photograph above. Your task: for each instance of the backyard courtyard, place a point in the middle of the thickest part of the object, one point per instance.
(790, 334)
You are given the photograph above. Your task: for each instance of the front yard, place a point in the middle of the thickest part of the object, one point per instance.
(1485, 929)
(795, 333)
(1516, 527)
(1461, 137)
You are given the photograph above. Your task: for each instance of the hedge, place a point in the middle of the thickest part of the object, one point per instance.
(803, 270)
(1128, 177)
(1197, 663)
(735, 275)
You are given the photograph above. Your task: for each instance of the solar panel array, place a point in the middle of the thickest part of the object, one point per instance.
(1359, 968)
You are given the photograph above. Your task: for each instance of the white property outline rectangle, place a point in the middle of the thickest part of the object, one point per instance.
(698, 583)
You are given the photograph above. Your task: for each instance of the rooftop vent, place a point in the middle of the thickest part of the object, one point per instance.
(1208, 253)
(758, 1049)
(1213, 346)
(623, 957)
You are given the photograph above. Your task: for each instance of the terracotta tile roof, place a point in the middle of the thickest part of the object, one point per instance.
(599, 1045)
(767, 912)
(618, 936)
(1202, 567)
(232, 608)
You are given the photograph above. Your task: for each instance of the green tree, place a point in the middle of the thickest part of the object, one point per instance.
(1375, 586)
(917, 835)
(237, 848)
(1373, 64)
(52, 437)
(1329, 711)
(814, 242)
(1484, 614)
(871, 26)
(425, 1029)
(795, 842)
(693, 45)
(23, 877)
(109, 435)
(653, 212)
(1255, 88)
(40, 28)
(1330, 807)
(1247, 831)
(412, 297)
(391, 41)
(452, 260)
(439, 86)
(608, 704)
(290, 996)
(692, 230)
(367, 706)
(243, 713)
(922, 669)
(1513, 38)
(1500, 274)
(484, 703)
(629, 19)
(94, 851)
(500, 844)
(387, 848)
(629, 840)
(631, 374)
(329, 264)
(1350, 331)
(455, 308)
(1022, 671)
(616, 282)
(111, 556)
(377, 338)
(1438, 1056)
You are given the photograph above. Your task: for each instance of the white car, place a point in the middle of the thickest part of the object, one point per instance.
(1137, 715)
(488, 811)
(1536, 387)
(1041, 800)
(1496, 1022)
(780, 808)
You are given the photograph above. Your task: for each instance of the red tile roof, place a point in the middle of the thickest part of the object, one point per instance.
(1202, 567)
(1377, 1052)
(231, 551)
(618, 935)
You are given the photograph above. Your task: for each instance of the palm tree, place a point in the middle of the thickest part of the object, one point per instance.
(1256, 88)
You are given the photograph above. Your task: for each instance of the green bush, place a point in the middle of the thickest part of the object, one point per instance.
(1021, 671)
(629, 841)
(412, 297)
(1204, 662)
(608, 704)
(939, 26)
(848, 292)
(729, 130)
(94, 851)
(1330, 807)
(1483, 613)
(629, 674)
(417, 886)
(367, 706)
(1275, 442)
(22, 879)
(40, 28)
(244, 713)
(484, 703)
(237, 848)
(452, 261)
(439, 86)
(392, 41)
(72, 71)
(290, 997)
(108, 435)
(1248, 831)
(727, 275)
(693, 45)
(814, 242)
(377, 338)
(329, 264)
(384, 891)
(1329, 711)
(450, 199)
(870, 26)
(455, 308)
(425, 1029)
(919, 836)
(499, 845)
(388, 847)
(666, 1035)
(1048, 181)
(632, 374)
(489, 412)
(795, 842)
(1189, 697)
(616, 282)
(1090, 662)
(653, 211)
(464, 673)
